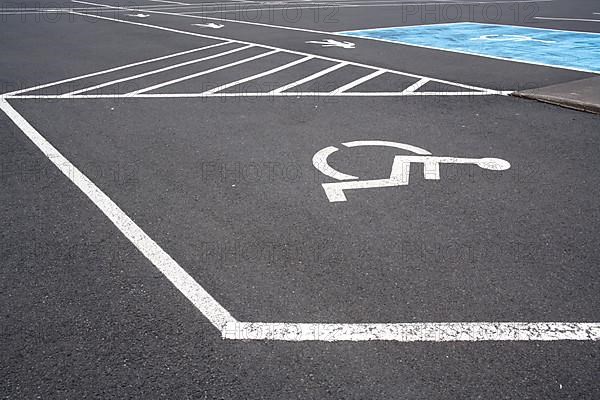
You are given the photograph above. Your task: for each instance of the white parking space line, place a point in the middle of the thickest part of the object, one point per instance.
(308, 78)
(260, 75)
(203, 301)
(230, 328)
(208, 71)
(254, 94)
(157, 71)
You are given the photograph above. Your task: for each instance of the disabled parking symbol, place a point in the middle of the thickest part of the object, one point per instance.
(400, 173)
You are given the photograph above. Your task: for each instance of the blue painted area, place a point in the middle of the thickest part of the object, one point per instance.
(564, 49)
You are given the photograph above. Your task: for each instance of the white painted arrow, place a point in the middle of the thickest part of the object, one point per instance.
(333, 43)
(210, 25)
(139, 15)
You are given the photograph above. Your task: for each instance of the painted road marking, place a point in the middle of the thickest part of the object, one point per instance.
(333, 43)
(400, 174)
(197, 74)
(183, 64)
(233, 329)
(171, 2)
(210, 25)
(239, 21)
(106, 71)
(358, 82)
(569, 19)
(139, 15)
(467, 90)
(308, 78)
(474, 88)
(260, 75)
(550, 47)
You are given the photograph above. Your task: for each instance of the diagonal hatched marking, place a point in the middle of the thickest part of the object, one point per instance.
(157, 71)
(208, 71)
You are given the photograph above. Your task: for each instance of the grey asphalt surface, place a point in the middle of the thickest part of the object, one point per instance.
(226, 186)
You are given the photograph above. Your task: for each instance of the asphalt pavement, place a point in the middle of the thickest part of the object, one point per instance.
(237, 200)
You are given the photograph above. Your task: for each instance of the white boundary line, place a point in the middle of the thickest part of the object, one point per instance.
(471, 23)
(171, 2)
(570, 19)
(256, 94)
(232, 329)
(211, 309)
(415, 331)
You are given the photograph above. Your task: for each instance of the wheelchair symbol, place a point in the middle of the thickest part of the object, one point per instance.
(400, 168)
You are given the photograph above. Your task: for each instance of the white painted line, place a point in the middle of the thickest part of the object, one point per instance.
(157, 71)
(232, 329)
(415, 332)
(260, 94)
(171, 2)
(250, 78)
(184, 78)
(359, 81)
(238, 21)
(207, 305)
(106, 71)
(308, 78)
(323, 5)
(569, 19)
(489, 91)
(415, 86)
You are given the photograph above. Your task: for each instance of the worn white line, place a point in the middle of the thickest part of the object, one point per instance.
(569, 19)
(208, 71)
(211, 309)
(260, 75)
(415, 86)
(415, 332)
(171, 2)
(358, 81)
(338, 5)
(106, 71)
(260, 94)
(157, 71)
(308, 78)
